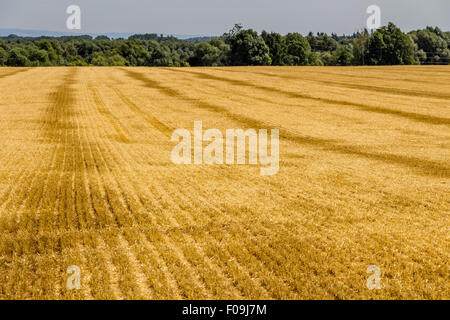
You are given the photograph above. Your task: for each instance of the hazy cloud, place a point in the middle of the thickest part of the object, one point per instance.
(213, 17)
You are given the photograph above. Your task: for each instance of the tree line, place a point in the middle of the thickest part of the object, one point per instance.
(388, 45)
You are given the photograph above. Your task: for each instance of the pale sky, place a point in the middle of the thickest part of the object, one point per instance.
(214, 17)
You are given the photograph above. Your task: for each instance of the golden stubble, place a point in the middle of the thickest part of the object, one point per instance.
(86, 179)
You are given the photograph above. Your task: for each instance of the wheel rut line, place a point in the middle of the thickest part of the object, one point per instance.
(214, 208)
(121, 130)
(127, 204)
(159, 259)
(105, 256)
(66, 122)
(10, 194)
(144, 292)
(210, 263)
(104, 197)
(50, 109)
(428, 119)
(127, 207)
(2, 76)
(294, 75)
(394, 91)
(160, 126)
(184, 198)
(422, 166)
(107, 271)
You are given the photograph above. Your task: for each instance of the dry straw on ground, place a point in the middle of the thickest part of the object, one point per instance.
(86, 180)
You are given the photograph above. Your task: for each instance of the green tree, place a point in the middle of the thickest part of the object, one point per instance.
(326, 58)
(147, 36)
(77, 61)
(390, 46)
(3, 56)
(315, 59)
(297, 50)
(322, 42)
(208, 54)
(86, 48)
(234, 31)
(360, 48)
(224, 50)
(102, 37)
(108, 59)
(277, 47)
(39, 57)
(161, 56)
(134, 52)
(248, 49)
(342, 57)
(431, 45)
(54, 50)
(17, 58)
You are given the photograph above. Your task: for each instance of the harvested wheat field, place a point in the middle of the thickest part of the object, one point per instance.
(86, 179)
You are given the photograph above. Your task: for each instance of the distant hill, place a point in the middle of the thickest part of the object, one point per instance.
(199, 39)
(111, 35)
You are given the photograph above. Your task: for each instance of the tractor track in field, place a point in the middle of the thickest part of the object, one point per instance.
(364, 107)
(347, 85)
(425, 166)
(90, 183)
(9, 74)
(167, 131)
(160, 126)
(121, 130)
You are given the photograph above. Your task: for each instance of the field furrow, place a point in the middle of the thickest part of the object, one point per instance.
(87, 180)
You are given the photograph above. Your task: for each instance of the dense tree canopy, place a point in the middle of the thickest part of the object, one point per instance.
(322, 42)
(213, 53)
(386, 46)
(297, 50)
(390, 46)
(247, 48)
(432, 45)
(277, 46)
